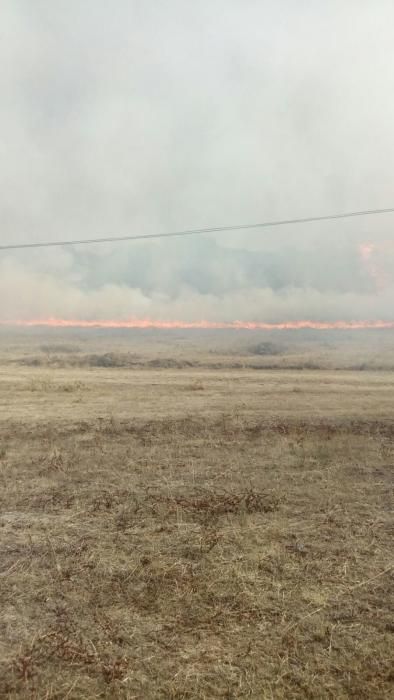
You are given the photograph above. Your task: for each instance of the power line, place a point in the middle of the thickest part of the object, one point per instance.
(197, 231)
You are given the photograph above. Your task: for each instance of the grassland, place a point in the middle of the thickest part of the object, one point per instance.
(196, 518)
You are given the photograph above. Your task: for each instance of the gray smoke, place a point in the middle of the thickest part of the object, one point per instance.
(140, 117)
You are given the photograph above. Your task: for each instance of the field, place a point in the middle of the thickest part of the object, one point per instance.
(196, 515)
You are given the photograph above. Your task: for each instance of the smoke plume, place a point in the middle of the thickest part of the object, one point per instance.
(140, 117)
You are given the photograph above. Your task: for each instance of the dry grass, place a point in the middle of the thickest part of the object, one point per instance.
(169, 534)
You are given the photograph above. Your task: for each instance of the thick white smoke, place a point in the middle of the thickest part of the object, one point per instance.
(146, 117)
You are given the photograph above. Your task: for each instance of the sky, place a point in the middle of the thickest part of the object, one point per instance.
(144, 117)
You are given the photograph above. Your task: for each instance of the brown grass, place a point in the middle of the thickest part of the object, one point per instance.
(196, 534)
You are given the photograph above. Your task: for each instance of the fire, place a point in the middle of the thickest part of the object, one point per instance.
(366, 250)
(198, 325)
(371, 255)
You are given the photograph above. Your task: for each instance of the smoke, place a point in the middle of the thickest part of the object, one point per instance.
(143, 117)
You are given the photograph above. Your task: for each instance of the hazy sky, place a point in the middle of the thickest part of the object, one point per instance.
(138, 116)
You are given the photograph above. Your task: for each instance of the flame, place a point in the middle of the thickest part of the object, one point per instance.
(371, 255)
(142, 323)
(366, 250)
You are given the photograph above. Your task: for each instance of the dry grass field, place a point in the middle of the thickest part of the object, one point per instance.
(196, 517)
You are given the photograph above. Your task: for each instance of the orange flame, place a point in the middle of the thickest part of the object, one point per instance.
(369, 253)
(202, 325)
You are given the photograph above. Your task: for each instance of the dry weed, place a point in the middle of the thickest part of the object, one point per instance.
(224, 551)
